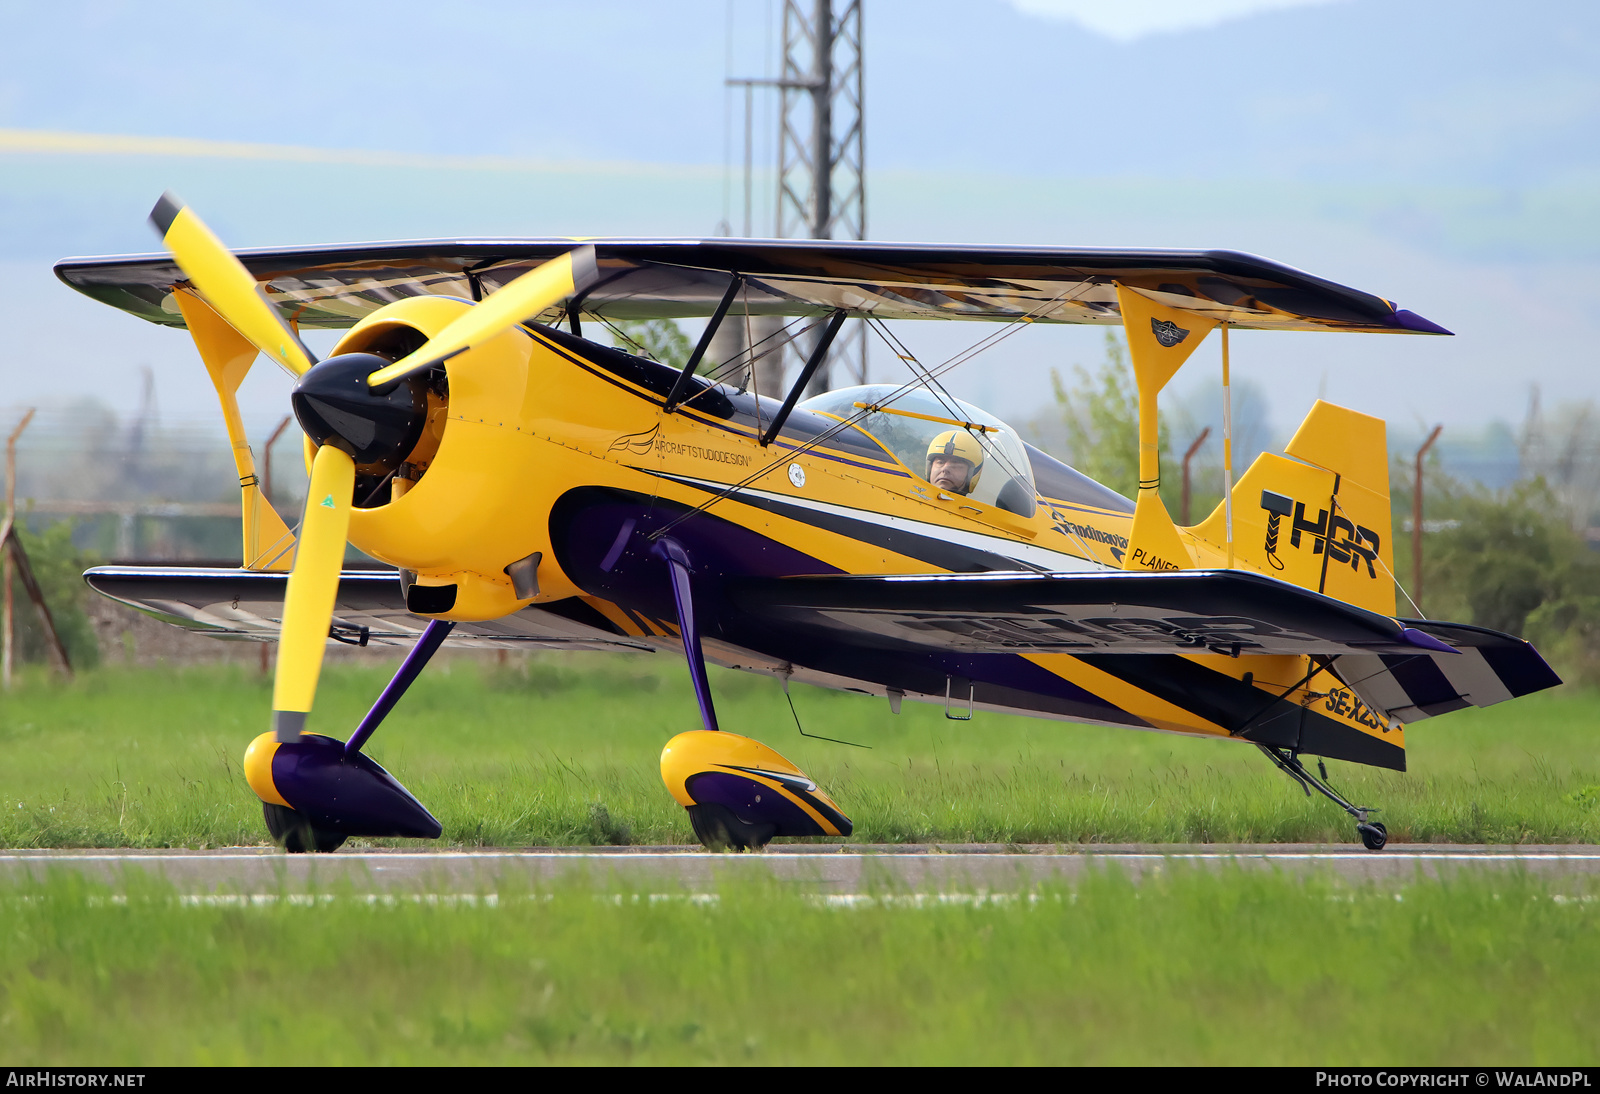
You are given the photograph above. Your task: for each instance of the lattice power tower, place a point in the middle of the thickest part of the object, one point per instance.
(821, 182)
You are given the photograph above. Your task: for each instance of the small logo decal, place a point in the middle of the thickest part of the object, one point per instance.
(1168, 334)
(797, 475)
(638, 443)
(327, 502)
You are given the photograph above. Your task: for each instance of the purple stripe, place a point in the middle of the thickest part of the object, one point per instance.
(432, 637)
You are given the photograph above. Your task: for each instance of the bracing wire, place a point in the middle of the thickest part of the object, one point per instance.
(939, 391)
(901, 351)
(852, 421)
(1379, 556)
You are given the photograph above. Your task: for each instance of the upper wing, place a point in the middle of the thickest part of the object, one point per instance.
(1409, 669)
(368, 609)
(336, 286)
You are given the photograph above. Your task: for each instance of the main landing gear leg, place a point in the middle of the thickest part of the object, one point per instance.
(677, 560)
(1373, 834)
(738, 792)
(316, 793)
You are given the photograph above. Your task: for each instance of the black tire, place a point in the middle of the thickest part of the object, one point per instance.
(295, 835)
(1373, 836)
(718, 829)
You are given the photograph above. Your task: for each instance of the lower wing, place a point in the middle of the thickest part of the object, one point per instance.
(1407, 669)
(369, 609)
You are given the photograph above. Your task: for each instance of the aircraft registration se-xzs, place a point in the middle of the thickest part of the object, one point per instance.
(536, 488)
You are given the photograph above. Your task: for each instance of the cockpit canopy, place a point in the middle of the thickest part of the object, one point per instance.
(909, 421)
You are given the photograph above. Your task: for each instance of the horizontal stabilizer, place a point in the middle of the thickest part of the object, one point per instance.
(1486, 667)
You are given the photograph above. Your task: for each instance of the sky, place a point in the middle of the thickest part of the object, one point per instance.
(1130, 20)
(1434, 152)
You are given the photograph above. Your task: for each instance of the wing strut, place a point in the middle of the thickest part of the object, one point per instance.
(674, 397)
(818, 352)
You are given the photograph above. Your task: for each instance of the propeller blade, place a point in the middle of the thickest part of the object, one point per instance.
(313, 585)
(227, 286)
(522, 299)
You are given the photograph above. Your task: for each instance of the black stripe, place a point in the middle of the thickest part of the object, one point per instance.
(1324, 736)
(1520, 669)
(1428, 689)
(165, 212)
(1214, 696)
(1246, 710)
(714, 404)
(935, 552)
(638, 621)
(1333, 511)
(582, 612)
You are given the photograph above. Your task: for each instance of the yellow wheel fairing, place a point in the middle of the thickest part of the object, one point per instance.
(258, 769)
(700, 751)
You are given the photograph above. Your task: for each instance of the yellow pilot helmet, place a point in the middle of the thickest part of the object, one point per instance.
(961, 445)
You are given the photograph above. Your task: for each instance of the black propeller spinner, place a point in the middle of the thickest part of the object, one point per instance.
(335, 405)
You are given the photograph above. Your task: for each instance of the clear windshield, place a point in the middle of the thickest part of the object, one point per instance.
(1003, 479)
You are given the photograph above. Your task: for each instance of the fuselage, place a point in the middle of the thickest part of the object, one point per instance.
(544, 444)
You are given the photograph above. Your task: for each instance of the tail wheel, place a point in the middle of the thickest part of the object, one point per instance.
(295, 835)
(1373, 836)
(719, 829)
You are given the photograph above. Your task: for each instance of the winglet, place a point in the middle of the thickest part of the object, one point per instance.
(1410, 320)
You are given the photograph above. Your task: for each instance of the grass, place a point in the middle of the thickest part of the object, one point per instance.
(562, 749)
(1184, 969)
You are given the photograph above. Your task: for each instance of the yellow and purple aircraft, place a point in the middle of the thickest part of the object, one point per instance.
(534, 488)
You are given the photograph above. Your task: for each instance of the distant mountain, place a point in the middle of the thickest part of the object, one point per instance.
(1438, 92)
(1442, 154)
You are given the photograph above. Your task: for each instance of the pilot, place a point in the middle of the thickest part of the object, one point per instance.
(955, 461)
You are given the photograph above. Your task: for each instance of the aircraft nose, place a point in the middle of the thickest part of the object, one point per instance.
(335, 405)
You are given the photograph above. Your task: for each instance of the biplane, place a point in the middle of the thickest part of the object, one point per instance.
(536, 488)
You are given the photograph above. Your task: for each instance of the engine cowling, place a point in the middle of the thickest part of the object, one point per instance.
(439, 458)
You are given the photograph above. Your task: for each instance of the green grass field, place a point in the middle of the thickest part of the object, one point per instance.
(562, 749)
(1187, 969)
(1181, 969)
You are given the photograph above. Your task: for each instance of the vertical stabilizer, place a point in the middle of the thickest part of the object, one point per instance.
(1320, 519)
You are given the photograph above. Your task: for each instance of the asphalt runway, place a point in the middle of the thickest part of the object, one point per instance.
(826, 869)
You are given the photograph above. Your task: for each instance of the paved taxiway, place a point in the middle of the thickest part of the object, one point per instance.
(818, 868)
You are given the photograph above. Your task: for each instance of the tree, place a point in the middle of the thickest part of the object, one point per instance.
(58, 567)
(1100, 413)
(1510, 560)
(1199, 407)
(658, 339)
